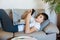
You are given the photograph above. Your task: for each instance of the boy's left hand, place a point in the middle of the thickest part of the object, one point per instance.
(28, 16)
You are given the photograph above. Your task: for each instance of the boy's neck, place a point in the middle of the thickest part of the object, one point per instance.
(37, 21)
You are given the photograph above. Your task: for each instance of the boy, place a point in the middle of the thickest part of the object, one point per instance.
(28, 28)
(35, 25)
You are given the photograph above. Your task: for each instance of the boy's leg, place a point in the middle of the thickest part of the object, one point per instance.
(6, 22)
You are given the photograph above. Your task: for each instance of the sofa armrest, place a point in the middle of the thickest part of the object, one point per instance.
(51, 28)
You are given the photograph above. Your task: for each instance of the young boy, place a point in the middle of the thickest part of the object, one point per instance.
(35, 25)
(28, 28)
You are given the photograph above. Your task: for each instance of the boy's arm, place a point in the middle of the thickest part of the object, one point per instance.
(24, 15)
(27, 26)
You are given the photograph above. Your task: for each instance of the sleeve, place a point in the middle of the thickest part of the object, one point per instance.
(32, 20)
(34, 23)
(37, 25)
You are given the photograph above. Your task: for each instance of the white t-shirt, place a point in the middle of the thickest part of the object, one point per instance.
(33, 23)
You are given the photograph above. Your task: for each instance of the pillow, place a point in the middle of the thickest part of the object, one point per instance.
(51, 28)
(44, 24)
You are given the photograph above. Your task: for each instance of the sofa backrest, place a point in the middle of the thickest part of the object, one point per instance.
(17, 13)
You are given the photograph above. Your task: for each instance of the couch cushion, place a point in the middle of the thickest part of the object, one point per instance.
(37, 35)
(51, 28)
(32, 34)
(44, 24)
(5, 35)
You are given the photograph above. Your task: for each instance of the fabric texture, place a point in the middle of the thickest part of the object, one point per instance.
(52, 28)
(38, 35)
(44, 24)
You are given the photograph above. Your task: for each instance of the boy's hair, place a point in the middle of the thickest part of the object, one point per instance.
(32, 11)
(44, 14)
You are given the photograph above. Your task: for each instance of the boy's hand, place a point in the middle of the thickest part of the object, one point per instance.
(29, 15)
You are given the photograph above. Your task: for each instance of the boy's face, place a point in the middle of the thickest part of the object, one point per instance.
(40, 18)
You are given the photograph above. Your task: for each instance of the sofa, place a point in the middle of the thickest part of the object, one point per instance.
(48, 33)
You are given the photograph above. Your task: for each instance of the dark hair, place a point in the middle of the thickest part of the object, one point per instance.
(44, 14)
(32, 11)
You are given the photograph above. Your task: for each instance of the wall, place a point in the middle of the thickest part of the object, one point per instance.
(28, 4)
(22, 4)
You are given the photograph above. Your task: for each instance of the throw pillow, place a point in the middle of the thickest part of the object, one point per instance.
(44, 24)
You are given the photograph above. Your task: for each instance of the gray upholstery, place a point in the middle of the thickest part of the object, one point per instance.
(42, 35)
(37, 35)
(23, 34)
(44, 24)
(52, 28)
